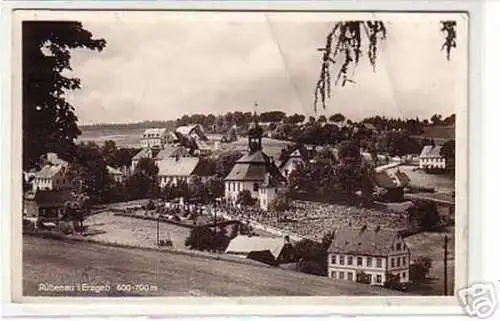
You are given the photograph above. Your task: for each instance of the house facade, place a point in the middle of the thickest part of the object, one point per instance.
(431, 158)
(376, 253)
(117, 175)
(154, 138)
(173, 170)
(51, 177)
(46, 205)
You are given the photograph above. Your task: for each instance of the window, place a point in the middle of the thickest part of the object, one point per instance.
(333, 275)
(404, 260)
(379, 278)
(393, 262)
(341, 275)
(379, 263)
(368, 261)
(334, 259)
(341, 260)
(398, 247)
(369, 278)
(255, 187)
(360, 261)
(398, 262)
(349, 260)
(349, 276)
(404, 275)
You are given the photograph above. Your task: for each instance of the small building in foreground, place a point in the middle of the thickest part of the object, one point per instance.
(375, 253)
(46, 205)
(269, 250)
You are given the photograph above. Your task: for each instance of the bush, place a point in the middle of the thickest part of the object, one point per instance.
(419, 270)
(426, 215)
(206, 239)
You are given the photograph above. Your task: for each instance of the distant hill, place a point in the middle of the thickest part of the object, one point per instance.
(439, 134)
(169, 124)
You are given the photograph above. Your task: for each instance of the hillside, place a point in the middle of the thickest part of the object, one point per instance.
(66, 262)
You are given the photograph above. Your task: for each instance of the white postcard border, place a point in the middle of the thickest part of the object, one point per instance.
(242, 306)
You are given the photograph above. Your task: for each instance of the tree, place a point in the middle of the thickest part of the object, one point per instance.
(281, 203)
(245, 198)
(49, 121)
(425, 214)
(420, 269)
(337, 118)
(448, 152)
(436, 120)
(225, 163)
(144, 181)
(346, 41)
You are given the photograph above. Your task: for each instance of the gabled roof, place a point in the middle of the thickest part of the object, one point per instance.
(144, 153)
(183, 166)
(187, 130)
(253, 167)
(363, 242)
(395, 180)
(154, 132)
(172, 151)
(54, 159)
(113, 171)
(243, 244)
(430, 151)
(49, 171)
(53, 198)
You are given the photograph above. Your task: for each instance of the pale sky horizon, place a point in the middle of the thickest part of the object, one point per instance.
(163, 68)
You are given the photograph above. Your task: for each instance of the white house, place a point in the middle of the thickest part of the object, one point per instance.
(430, 158)
(117, 175)
(51, 177)
(154, 138)
(172, 170)
(192, 131)
(374, 252)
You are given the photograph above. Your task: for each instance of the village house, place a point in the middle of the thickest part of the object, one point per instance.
(269, 250)
(195, 132)
(116, 174)
(431, 158)
(376, 253)
(251, 172)
(298, 157)
(46, 206)
(154, 138)
(171, 152)
(144, 153)
(51, 177)
(173, 170)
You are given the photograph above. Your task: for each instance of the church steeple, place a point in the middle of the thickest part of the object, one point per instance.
(255, 133)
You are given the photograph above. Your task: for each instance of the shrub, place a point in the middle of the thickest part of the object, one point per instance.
(419, 270)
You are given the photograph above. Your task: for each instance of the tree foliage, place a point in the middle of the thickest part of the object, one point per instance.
(345, 44)
(49, 121)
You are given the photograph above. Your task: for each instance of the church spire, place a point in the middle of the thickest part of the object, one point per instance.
(255, 133)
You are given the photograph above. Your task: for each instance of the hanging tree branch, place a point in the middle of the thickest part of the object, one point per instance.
(450, 41)
(345, 40)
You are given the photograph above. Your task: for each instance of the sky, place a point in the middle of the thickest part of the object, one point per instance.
(162, 66)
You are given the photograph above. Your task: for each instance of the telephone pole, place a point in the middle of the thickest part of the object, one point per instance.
(445, 261)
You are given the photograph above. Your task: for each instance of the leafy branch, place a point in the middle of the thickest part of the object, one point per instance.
(345, 42)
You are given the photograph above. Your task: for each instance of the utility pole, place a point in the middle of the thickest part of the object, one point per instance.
(158, 231)
(445, 261)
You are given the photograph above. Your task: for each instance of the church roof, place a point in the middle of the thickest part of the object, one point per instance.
(253, 167)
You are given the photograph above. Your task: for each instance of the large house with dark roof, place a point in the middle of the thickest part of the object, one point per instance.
(253, 172)
(376, 253)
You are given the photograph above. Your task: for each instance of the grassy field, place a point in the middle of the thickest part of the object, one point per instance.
(431, 245)
(167, 274)
(440, 182)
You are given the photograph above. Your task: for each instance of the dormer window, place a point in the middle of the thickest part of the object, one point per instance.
(398, 246)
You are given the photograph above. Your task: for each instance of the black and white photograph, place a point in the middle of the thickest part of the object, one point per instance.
(242, 154)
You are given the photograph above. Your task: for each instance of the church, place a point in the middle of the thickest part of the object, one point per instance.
(255, 172)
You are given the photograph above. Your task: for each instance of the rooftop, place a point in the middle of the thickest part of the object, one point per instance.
(363, 241)
(243, 244)
(430, 151)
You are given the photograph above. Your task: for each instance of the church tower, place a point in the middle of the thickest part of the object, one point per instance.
(255, 133)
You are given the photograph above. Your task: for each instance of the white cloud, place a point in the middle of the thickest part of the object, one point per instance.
(154, 70)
